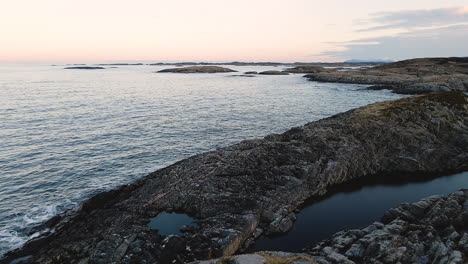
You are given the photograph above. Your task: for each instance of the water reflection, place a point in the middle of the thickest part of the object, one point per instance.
(170, 223)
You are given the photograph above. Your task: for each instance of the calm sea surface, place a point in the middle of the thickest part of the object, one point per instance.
(68, 134)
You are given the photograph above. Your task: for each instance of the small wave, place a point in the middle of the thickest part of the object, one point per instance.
(10, 240)
(39, 214)
(16, 234)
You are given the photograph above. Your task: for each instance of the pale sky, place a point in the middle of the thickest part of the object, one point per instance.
(227, 30)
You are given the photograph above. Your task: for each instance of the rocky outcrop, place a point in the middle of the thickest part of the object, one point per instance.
(254, 187)
(433, 230)
(272, 72)
(251, 72)
(308, 69)
(84, 68)
(198, 69)
(414, 76)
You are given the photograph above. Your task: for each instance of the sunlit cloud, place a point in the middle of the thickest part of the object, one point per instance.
(407, 34)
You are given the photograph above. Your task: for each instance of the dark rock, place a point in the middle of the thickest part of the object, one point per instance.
(273, 73)
(120, 64)
(241, 75)
(251, 72)
(84, 68)
(259, 184)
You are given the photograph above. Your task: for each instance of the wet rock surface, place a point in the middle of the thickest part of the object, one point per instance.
(415, 76)
(198, 69)
(239, 192)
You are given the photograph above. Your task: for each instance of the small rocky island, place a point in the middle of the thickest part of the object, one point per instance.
(254, 188)
(415, 76)
(198, 69)
(308, 69)
(273, 72)
(84, 68)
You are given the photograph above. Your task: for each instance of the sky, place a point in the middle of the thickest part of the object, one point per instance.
(227, 30)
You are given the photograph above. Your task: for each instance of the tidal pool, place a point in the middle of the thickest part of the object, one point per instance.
(170, 223)
(356, 205)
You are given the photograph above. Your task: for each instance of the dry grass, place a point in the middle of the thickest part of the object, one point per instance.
(280, 260)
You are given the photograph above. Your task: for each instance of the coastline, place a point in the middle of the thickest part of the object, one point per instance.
(136, 202)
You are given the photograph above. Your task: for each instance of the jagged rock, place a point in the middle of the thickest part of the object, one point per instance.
(259, 183)
(416, 239)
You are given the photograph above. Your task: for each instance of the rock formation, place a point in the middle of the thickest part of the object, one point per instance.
(254, 187)
(273, 73)
(84, 68)
(198, 69)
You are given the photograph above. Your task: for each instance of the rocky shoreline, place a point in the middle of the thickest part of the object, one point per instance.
(415, 76)
(240, 192)
(432, 230)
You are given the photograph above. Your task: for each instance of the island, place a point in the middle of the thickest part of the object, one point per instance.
(308, 69)
(273, 73)
(198, 69)
(84, 68)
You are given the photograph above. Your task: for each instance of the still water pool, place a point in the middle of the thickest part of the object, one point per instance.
(356, 205)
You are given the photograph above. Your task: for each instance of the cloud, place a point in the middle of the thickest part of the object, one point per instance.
(440, 42)
(439, 32)
(412, 19)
